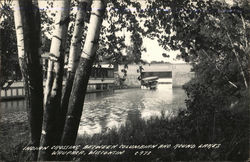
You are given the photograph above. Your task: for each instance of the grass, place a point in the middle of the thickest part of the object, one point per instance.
(230, 129)
(13, 138)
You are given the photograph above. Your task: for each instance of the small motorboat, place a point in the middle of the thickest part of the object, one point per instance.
(150, 82)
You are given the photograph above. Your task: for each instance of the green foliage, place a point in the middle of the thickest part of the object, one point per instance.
(215, 43)
(8, 46)
(112, 41)
(214, 38)
(10, 69)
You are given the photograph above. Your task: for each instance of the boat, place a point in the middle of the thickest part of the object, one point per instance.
(149, 82)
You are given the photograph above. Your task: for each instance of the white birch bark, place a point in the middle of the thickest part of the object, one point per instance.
(75, 47)
(93, 29)
(82, 73)
(53, 87)
(19, 33)
(56, 47)
(27, 24)
(74, 54)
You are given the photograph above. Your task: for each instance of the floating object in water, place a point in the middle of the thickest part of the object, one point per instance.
(150, 82)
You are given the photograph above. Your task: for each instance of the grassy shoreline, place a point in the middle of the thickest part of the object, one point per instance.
(231, 133)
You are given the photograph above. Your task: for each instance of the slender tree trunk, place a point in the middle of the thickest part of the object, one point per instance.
(27, 24)
(19, 34)
(244, 25)
(83, 72)
(238, 61)
(74, 54)
(52, 95)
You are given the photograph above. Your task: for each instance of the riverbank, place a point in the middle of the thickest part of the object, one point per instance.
(230, 141)
(174, 139)
(141, 117)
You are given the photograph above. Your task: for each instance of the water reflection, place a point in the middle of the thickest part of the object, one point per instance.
(13, 111)
(103, 111)
(12, 106)
(110, 111)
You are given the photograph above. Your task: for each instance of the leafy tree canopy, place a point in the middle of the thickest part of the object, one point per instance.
(8, 46)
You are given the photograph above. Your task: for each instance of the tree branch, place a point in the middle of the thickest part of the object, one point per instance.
(219, 70)
(237, 58)
(245, 33)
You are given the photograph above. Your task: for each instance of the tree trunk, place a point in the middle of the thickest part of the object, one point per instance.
(27, 24)
(74, 54)
(52, 95)
(19, 34)
(238, 61)
(83, 72)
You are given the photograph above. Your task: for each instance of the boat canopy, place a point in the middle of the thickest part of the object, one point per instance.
(150, 78)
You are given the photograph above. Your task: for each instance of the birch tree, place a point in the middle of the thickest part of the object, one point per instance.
(74, 54)
(82, 73)
(27, 24)
(52, 95)
(53, 103)
(19, 34)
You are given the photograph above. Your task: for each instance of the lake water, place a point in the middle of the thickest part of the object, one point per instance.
(110, 109)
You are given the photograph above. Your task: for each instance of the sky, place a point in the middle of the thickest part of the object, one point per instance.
(154, 52)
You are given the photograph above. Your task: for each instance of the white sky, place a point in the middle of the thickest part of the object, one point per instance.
(154, 52)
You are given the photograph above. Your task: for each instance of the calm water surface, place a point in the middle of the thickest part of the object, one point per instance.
(110, 109)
